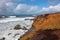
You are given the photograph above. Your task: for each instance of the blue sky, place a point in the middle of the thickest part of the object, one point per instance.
(19, 7)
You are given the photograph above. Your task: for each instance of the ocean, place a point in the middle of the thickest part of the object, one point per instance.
(7, 25)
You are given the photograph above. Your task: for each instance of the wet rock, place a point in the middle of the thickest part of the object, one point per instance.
(17, 27)
(3, 38)
(19, 39)
(24, 28)
(9, 33)
(16, 35)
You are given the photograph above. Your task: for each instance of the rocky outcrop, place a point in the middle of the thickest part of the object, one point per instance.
(17, 27)
(46, 35)
(2, 38)
(45, 27)
(47, 21)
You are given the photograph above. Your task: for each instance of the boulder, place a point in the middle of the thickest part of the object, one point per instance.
(2, 38)
(17, 27)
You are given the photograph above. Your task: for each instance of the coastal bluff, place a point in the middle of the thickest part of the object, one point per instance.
(45, 27)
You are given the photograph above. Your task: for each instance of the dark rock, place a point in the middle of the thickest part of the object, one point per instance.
(17, 27)
(16, 34)
(24, 28)
(9, 33)
(46, 35)
(3, 38)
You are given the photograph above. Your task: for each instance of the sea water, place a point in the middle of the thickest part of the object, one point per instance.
(7, 27)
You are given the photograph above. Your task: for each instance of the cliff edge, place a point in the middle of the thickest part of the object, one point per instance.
(43, 26)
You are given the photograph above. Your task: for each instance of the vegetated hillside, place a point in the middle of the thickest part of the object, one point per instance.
(48, 22)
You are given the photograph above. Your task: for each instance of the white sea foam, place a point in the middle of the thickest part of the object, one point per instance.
(10, 19)
(14, 19)
(7, 27)
(12, 16)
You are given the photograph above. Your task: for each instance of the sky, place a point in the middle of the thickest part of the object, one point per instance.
(28, 7)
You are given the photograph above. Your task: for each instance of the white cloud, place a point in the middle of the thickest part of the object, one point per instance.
(33, 9)
(51, 9)
(8, 4)
(9, 7)
(27, 9)
(24, 8)
(6, 7)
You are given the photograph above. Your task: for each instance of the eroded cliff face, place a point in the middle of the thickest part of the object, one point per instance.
(47, 35)
(44, 25)
(47, 21)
